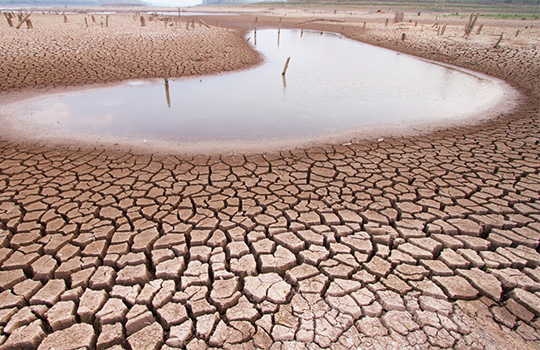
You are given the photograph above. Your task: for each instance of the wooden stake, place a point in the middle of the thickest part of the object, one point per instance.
(479, 29)
(167, 94)
(107, 21)
(179, 16)
(29, 24)
(86, 21)
(204, 23)
(286, 66)
(8, 18)
(470, 25)
(143, 22)
(65, 18)
(22, 20)
(498, 41)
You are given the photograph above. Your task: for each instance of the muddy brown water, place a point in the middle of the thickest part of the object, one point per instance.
(333, 86)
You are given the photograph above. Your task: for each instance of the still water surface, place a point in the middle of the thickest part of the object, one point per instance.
(332, 85)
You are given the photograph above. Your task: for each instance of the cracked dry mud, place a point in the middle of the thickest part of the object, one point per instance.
(422, 242)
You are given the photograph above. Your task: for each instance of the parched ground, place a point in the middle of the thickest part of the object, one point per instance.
(424, 242)
(82, 51)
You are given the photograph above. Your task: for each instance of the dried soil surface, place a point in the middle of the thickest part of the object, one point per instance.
(414, 243)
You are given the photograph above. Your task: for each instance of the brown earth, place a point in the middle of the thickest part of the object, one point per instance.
(422, 242)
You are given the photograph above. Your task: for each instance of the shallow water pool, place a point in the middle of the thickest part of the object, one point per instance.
(333, 86)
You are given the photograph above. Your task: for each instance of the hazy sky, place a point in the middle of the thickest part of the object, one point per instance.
(174, 3)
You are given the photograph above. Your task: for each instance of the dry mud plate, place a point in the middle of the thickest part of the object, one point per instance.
(416, 243)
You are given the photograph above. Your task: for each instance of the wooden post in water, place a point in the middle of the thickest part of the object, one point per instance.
(286, 66)
(179, 16)
(29, 24)
(107, 21)
(403, 36)
(143, 22)
(279, 26)
(86, 21)
(93, 19)
(443, 29)
(166, 78)
(65, 18)
(517, 33)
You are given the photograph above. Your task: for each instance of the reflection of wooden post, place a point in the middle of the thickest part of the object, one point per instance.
(301, 32)
(284, 81)
(286, 66)
(29, 24)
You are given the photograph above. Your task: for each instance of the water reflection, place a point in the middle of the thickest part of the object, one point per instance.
(332, 84)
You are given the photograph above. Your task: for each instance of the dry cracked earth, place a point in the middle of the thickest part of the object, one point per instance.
(407, 243)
